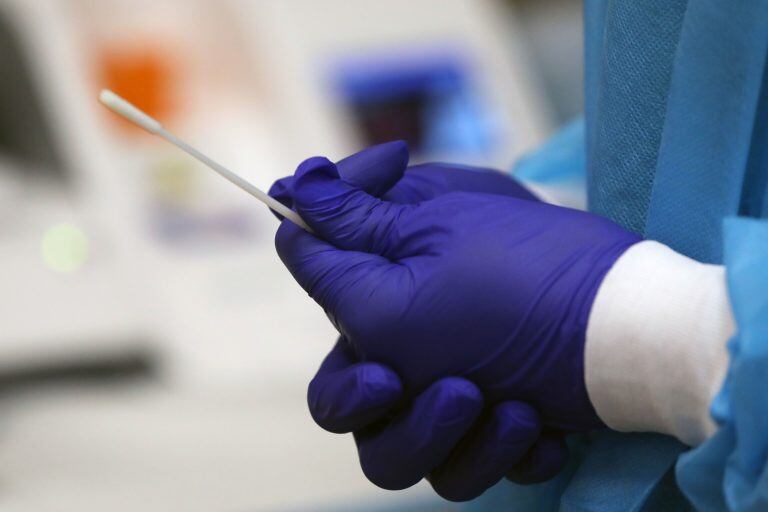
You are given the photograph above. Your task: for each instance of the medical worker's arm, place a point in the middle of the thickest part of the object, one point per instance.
(518, 277)
(408, 285)
(347, 395)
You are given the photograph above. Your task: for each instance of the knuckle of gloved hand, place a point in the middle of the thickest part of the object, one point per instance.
(456, 397)
(518, 421)
(377, 385)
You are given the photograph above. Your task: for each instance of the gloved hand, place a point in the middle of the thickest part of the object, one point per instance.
(447, 433)
(347, 395)
(490, 288)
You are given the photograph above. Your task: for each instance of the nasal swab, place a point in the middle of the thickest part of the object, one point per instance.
(122, 107)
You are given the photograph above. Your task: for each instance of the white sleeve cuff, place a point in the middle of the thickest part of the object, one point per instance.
(655, 353)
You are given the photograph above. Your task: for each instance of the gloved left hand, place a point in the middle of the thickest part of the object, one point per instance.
(494, 289)
(349, 395)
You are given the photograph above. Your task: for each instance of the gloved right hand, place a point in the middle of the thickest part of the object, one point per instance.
(491, 288)
(442, 434)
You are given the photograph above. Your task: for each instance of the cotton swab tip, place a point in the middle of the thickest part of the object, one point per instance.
(122, 107)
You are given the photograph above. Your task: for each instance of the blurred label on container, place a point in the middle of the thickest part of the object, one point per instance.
(144, 74)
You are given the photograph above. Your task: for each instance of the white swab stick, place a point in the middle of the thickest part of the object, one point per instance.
(122, 107)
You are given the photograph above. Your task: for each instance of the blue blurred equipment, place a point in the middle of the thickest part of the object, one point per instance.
(427, 99)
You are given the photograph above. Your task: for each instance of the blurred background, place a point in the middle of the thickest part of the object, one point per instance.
(154, 354)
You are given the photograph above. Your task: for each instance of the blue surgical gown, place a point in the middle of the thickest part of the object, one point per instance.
(674, 146)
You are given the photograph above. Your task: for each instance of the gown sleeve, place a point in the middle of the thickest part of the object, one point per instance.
(556, 171)
(728, 472)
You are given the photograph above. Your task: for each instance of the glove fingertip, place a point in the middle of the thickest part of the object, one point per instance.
(315, 179)
(281, 189)
(354, 397)
(316, 166)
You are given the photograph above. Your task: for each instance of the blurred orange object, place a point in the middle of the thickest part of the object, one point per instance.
(142, 74)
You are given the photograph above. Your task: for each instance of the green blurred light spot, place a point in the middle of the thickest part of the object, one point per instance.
(65, 248)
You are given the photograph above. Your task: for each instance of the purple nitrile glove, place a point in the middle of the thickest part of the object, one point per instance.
(443, 433)
(347, 395)
(494, 289)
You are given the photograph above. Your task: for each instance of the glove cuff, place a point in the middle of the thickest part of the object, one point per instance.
(655, 352)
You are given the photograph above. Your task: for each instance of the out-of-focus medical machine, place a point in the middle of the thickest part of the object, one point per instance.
(65, 270)
(117, 251)
(449, 77)
(85, 213)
